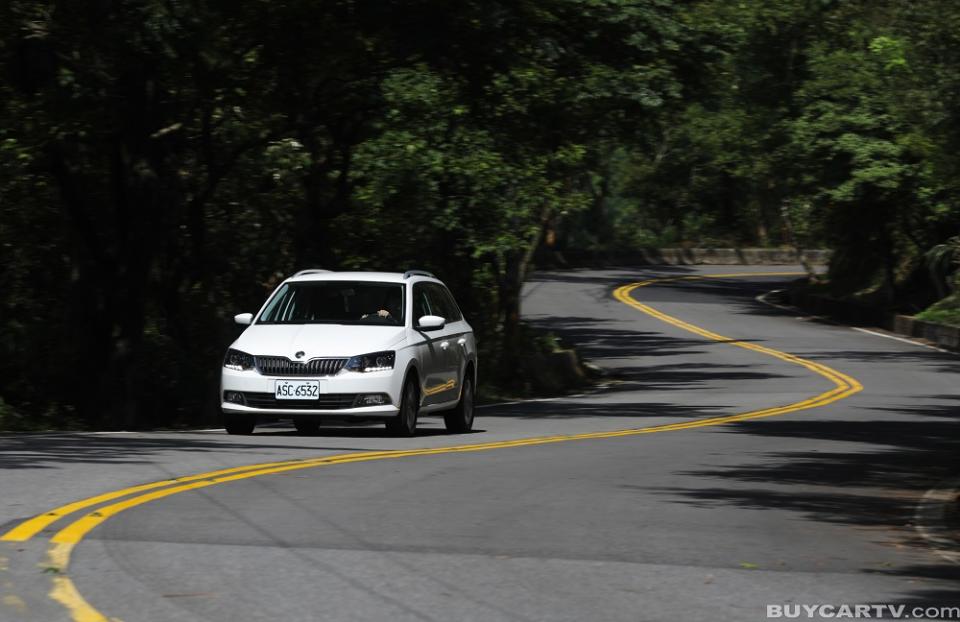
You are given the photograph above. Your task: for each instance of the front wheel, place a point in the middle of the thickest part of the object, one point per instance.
(237, 423)
(405, 422)
(460, 419)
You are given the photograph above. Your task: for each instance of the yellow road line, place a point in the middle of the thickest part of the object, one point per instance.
(845, 385)
(31, 527)
(64, 591)
(64, 540)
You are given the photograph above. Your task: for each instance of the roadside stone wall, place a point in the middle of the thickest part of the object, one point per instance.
(941, 335)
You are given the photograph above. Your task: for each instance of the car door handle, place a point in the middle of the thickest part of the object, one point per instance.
(462, 342)
(444, 344)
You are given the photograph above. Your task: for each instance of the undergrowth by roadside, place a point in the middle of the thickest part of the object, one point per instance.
(13, 421)
(548, 369)
(946, 311)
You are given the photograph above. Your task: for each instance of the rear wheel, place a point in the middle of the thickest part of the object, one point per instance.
(460, 419)
(238, 423)
(306, 426)
(405, 422)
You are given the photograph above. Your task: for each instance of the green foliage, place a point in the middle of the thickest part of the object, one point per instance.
(166, 163)
(825, 124)
(943, 265)
(946, 311)
(163, 164)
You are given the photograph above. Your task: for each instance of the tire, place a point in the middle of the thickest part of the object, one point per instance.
(460, 419)
(307, 427)
(405, 422)
(239, 423)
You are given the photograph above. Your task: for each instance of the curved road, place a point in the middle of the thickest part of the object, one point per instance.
(807, 507)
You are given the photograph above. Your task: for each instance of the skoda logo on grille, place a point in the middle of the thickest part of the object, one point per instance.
(299, 354)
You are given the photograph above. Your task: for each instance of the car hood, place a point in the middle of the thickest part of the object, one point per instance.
(317, 340)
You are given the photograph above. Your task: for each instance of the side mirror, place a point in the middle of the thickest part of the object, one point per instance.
(243, 318)
(431, 322)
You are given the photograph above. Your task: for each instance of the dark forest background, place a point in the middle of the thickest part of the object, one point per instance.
(164, 162)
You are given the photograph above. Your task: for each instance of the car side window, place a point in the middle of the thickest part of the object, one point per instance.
(436, 302)
(451, 305)
(442, 303)
(421, 304)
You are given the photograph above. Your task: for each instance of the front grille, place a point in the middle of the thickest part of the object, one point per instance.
(327, 401)
(282, 366)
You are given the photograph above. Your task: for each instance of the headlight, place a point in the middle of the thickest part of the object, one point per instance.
(237, 360)
(377, 361)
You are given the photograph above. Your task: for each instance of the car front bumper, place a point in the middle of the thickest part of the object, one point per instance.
(338, 395)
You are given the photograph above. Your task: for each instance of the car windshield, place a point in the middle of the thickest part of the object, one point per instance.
(336, 302)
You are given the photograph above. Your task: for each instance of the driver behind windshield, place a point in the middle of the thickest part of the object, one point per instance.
(390, 307)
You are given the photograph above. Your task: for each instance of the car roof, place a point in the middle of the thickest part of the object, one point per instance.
(381, 277)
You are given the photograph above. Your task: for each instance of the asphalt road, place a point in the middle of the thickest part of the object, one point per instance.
(807, 507)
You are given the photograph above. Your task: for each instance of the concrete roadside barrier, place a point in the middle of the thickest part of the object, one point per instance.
(941, 335)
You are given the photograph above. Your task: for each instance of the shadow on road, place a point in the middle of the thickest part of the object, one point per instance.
(374, 431)
(928, 360)
(872, 479)
(598, 339)
(580, 408)
(54, 451)
(864, 463)
(38, 452)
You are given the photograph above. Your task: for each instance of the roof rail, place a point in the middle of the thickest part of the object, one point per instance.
(310, 271)
(410, 273)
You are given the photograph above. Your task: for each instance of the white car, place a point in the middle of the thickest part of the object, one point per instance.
(352, 345)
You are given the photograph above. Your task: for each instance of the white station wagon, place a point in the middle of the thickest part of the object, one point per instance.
(352, 345)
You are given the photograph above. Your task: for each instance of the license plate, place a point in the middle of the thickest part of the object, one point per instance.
(297, 389)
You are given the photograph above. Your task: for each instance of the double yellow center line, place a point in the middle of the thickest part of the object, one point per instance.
(63, 541)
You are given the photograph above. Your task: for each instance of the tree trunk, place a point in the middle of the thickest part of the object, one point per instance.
(514, 270)
(794, 241)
